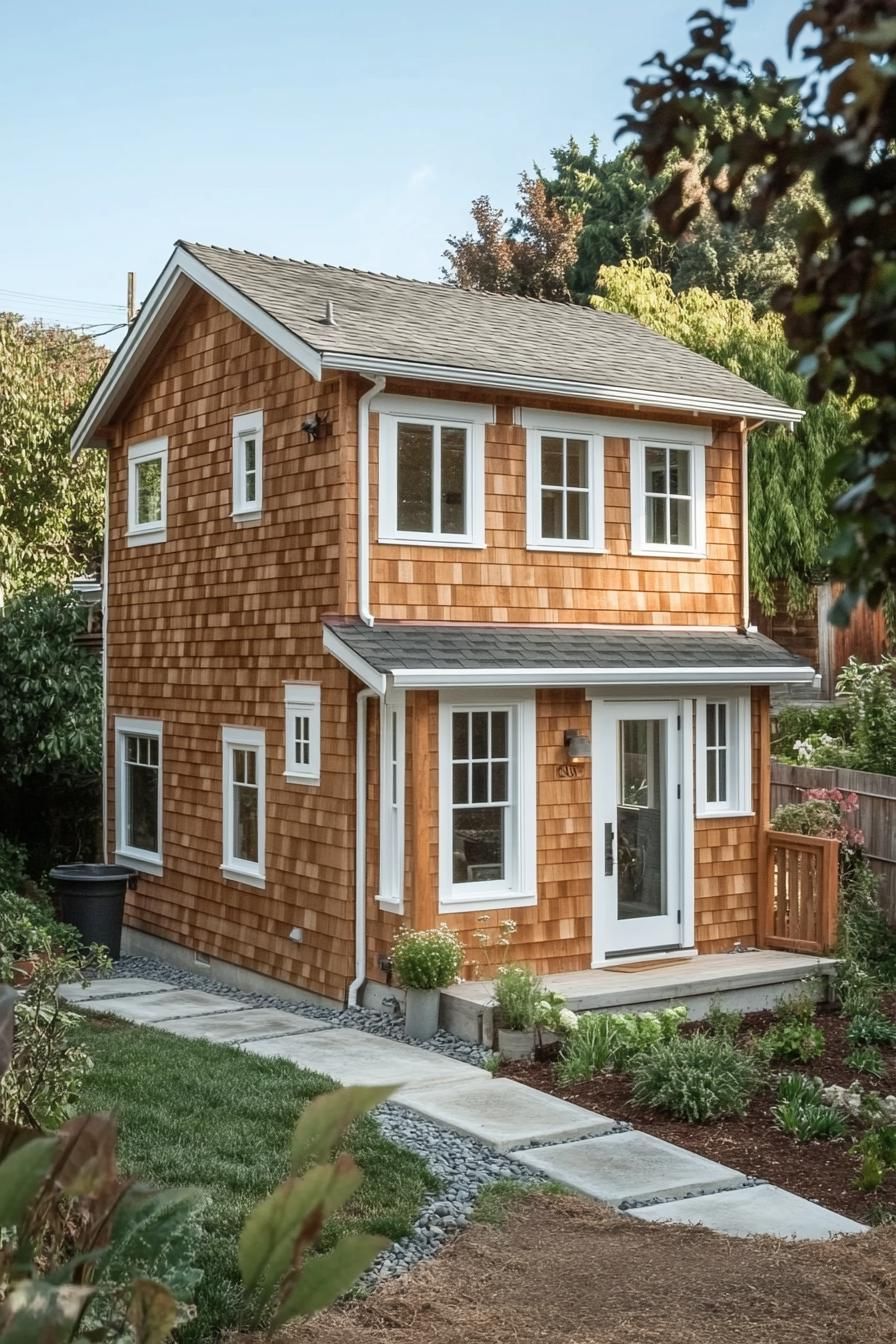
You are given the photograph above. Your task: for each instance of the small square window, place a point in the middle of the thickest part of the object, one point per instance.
(724, 785)
(668, 503)
(248, 439)
(303, 732)
(564, 482)
(147, 491)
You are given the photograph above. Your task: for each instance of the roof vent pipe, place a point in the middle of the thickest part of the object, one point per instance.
(329, 314)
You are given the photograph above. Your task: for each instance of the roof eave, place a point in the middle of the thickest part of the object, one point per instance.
(428, 678)
(628, 396)
(165, 297)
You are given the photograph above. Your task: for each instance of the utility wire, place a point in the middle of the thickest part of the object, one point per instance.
(63, 302)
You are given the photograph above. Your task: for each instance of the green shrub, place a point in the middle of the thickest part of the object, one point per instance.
(870, 693)
(27, 925)
(614, 1040)
(867, 1059)
(802, 1114)
(427, 958)
(792, 1040)
(876, 1151)
(518, 992)
(799, 723)
(866, 943)
(816, 816)
(722, 1021)
(871, 1028)
(696, 1078)
(13, 865)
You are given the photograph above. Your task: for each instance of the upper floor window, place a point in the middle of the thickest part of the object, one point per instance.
(248, 437)
(303, 732)
(147, 491)
(668, 498)
(723, 756)
(243, 829)
(431, 471)
(564, 474)
(138, 792)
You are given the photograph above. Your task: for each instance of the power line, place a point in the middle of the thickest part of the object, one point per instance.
(58, 301)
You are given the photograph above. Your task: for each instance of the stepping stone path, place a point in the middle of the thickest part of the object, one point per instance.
(643, 1176)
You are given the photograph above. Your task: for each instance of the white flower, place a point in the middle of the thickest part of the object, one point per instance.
(567, 1020)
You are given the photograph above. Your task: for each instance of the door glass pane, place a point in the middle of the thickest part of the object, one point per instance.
(641, 816)
(415, 453)
(454, 466)
(478, 844)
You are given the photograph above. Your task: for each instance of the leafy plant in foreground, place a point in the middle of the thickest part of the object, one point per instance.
(696, 1078)
(801, 1113)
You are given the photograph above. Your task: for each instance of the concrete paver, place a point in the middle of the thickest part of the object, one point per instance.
(352, 1056)
(619, 1167)
(111, 989)
(247, 1024)
(503, 1113)
(154, 1009)
(756, 1210)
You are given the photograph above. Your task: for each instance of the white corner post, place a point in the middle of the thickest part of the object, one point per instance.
(378, 383)
(360, 846)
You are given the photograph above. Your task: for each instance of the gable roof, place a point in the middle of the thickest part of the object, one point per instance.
(412, 328)
(416, 656)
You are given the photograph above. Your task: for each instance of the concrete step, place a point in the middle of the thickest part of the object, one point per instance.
(111, 989)
(756, 1210)
(154, 1009)
(352, 1056)
(247, 1024)
(503, 1113)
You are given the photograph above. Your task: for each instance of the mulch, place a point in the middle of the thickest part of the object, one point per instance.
(565, 1271)
(821, 1170)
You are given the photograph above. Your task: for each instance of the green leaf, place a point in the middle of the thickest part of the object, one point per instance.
(326, 1277)
(326, 1120)
(21, 1175)
(35, 1311)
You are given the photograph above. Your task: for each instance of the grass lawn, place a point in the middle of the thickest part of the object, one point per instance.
(212, 1116)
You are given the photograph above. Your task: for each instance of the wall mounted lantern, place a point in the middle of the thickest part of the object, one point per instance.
(578, 745)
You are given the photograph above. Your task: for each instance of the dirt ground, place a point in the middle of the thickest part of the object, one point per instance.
(564, 1271)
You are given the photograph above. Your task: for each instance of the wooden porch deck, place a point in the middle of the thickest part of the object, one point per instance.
(746, 981)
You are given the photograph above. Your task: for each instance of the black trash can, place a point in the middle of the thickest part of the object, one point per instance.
(91, 897)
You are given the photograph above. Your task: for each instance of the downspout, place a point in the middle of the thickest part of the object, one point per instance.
(745, 522)
(104, 658)
(360, 845)
(364, 498)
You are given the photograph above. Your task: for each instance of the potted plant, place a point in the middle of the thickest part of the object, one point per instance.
(518, 991)
(426, 961)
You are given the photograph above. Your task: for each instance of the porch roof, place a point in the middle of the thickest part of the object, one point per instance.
(409, 656)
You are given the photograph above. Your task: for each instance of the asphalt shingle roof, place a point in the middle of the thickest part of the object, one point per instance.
(389, 648)
(385, 317)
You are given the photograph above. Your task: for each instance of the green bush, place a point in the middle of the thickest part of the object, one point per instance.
(798, 723)
(801, 1113)
(792, 1040)
(27, 925)
(816, 816)
(871, 1028)
(614, 1040)
(722, 1021)
(867, 1059)
(870, 693)
(695, 1078)
(13, 865)
(876, 1151)
(518, 993)
(427, 958)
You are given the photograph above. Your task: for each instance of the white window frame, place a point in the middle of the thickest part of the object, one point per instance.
(559, 424)
(469, 416)
(739, 774)
(251, 739)
(639, 543)
(392, 800)
(302, 702)
(145, 860)
(142, 534)
(249, 425)
(519, 886)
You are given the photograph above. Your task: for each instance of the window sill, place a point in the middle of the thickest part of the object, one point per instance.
(667, 552)
(703, 815)
(147, 538)
(142, 862)
(237, 875)
(496, 901)
(390, 907)
(446, 543)
(246, 515)
(295, 778)
(573, 548)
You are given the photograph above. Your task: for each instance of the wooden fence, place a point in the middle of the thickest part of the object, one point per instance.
(876, 814)
(798, 909)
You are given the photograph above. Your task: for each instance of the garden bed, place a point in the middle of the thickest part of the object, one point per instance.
(820, 1170)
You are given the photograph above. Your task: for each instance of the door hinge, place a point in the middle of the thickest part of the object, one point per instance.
(679, 917)
(678, 787)
(678, 716)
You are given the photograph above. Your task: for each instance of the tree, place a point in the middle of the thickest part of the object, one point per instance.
(790, 517)
(51, 509)
(839, 310)
(530, 255)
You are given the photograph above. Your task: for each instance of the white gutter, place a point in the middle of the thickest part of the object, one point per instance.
(433, 678)
(378, 383)
(513, 382)
(360, 847)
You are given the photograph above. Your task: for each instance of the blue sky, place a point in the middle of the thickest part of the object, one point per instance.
(348, 132)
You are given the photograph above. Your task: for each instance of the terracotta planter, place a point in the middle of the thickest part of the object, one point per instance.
(421, 1013)
(516, 1044)
(23, 971)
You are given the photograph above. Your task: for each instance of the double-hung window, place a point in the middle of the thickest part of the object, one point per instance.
(392, 747)
(248, 439)
(147, 491)
(431, 470)
(138, 808)
(303, 732)
(487, 801)
(668, 498)
(565, 481)
(244, 772)
(723, 756)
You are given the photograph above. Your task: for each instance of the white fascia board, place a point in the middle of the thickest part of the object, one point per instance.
(428, 678)
(162, 302)
(377, 681)
(514, 382)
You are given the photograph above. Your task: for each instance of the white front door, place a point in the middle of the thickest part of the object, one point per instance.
(639, 827)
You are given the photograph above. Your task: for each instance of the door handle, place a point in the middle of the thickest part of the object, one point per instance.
(608, 849)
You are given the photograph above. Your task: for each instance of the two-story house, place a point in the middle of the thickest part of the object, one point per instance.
(425, 605)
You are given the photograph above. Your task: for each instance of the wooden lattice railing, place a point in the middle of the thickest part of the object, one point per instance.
(798, 906)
